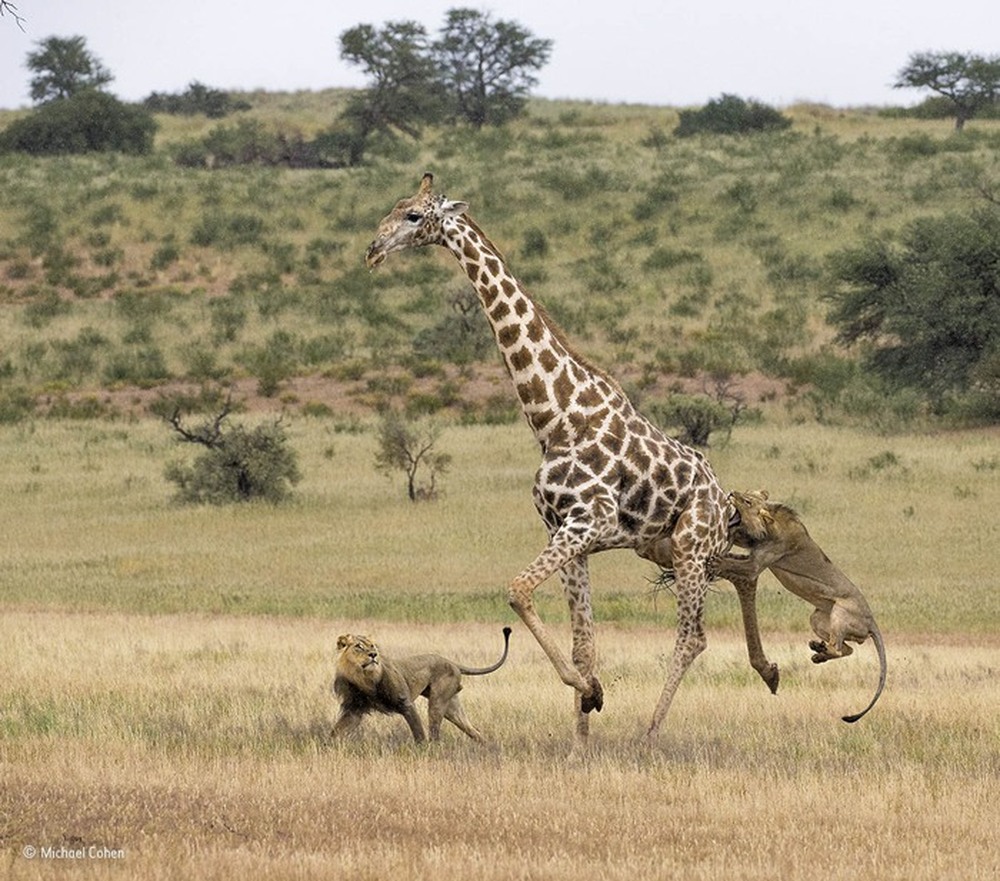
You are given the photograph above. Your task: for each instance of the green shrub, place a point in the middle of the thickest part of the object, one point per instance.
(197, 98)
(534, 243)
(697, 416)
(90, 121)
(273, 362)
(228, 231)
(143, 366)
(46, 306)
(238, 464)
(730, 115)
(165, 255)
(227, 316)
(16, 405)
(250, 142)
(77, 358)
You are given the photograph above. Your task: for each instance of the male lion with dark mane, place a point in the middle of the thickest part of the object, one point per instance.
(367, 681)
(777, 540)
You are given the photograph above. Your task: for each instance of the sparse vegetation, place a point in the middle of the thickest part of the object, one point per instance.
(408, 445)
(174, 663)
(238, 464)
(167, 666)
(727, 251)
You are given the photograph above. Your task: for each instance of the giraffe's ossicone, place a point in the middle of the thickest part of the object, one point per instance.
(609, 478)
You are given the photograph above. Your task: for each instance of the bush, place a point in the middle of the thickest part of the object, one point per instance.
(409, 447)
(250, 142)
(697, 416)
(238, 464)
(198, 98)
(228, 231)
(730, 115)
(16, 405)
(90, 121)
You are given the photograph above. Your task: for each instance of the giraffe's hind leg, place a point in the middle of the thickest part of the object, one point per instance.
(691, 587)
(576, 586)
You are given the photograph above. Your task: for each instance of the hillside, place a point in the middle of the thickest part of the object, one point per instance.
(668, 261)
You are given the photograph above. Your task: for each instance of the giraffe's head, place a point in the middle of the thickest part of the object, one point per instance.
(413, 222)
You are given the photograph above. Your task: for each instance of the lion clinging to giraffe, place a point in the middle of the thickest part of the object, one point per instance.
(609, 478)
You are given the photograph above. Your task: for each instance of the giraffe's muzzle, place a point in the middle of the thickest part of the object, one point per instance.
(374, 255)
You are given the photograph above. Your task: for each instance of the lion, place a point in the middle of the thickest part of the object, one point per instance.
(777, 540)
(366, 681)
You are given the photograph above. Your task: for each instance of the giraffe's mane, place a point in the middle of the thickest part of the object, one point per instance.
(543, 314)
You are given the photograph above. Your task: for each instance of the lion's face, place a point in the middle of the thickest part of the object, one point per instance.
(359, 658)
(750, 522)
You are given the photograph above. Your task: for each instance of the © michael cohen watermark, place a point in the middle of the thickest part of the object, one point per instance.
(71, 853)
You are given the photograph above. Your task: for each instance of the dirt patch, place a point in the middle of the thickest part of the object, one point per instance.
(480, 393)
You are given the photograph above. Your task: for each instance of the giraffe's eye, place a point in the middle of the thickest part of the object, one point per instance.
(414, 217)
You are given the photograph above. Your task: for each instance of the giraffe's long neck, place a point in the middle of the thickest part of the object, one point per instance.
(559, 392)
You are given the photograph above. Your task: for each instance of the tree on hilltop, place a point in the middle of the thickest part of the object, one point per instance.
(402, 94)
(479, 71)
(487, 67)
(74, 113)
(64, 67)
(970, 82)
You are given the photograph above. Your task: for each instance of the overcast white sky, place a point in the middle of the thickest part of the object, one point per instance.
(669, 52)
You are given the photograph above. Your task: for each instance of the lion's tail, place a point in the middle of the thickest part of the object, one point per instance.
(482, 671)
(880, 648)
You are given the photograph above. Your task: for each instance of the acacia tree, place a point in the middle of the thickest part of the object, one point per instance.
(487, 67)
(64, 67)
(403, 91)
(927, 313)
(970, 82)
(409, 447)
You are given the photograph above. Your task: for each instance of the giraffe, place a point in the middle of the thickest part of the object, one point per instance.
(608, 478)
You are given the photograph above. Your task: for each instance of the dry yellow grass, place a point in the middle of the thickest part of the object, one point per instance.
(166, 672)
(197, 747)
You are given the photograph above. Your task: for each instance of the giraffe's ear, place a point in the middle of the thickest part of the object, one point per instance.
(453, 209)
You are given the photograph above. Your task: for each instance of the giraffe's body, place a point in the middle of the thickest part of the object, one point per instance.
(608, 479)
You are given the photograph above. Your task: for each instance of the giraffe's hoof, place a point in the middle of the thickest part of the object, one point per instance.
(595, 700)
(771, 676)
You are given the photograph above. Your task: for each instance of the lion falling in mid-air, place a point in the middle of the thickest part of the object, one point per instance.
(777, 540)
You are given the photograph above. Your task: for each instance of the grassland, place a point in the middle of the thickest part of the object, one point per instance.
(664, 257)
(166, 669)
(166, 673)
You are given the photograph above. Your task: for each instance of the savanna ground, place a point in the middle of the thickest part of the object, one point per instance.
(166, 669)
(165, 705)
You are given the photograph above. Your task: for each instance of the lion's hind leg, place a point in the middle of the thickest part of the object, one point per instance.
(455, 713)
(830, 645)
